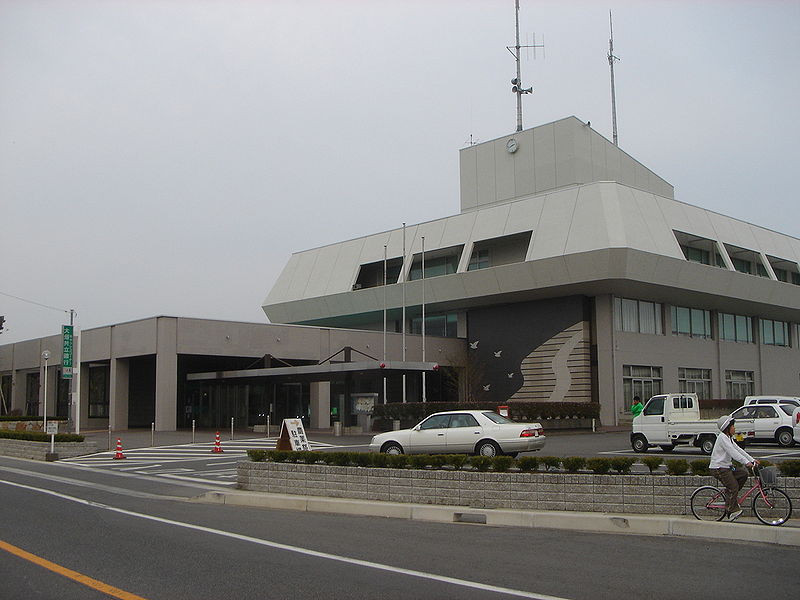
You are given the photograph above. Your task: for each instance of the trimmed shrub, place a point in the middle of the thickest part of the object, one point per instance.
(573, 464)
(340, 459)
(437, 461)
(380, 460)
(457, 461)
(551, 463)
(790, 468)
(598, 465)
(397, 461)
(676, 466)
(652, 462)
(501, 464)
(700, 466)
(480, 463)
(362, 459)
(257, 455)
(419, 461)
(519, 411)
(622, 464)
(528, 463)
(278, 456)
(39, 436)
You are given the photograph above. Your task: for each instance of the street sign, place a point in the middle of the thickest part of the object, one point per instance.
(66, 352)
(293, 436)
(52, 427)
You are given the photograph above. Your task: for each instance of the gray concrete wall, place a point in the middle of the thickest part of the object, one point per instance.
(644, 494)
(38, 450)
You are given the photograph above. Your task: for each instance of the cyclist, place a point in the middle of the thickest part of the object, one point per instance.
(721, 466)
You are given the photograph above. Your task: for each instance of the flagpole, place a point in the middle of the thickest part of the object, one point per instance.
(424, 395)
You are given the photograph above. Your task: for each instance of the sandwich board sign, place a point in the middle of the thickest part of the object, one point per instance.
(292, 436)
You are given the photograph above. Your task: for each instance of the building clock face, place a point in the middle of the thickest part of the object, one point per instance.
(512, 145)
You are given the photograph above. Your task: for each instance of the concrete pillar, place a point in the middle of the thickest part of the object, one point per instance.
(603, 322)
(320, 392)
(17, 391)
(167, 374)
(84, 383)
(118, 402)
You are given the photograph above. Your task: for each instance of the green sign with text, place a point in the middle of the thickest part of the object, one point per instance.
(66, 352)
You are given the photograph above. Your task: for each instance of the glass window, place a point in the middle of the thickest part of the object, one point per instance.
(735, 328)
(437, 263)
(695, 381)
(437, 325)
(463, 421)
(499, 419)
(435, 422)
(739, 384)
(98, 392)
(741, 265)
(694, 322)
(766, 412)
(479, 259)
(789, 410)
(637, 316)
(774, 333)
(642, 381)
(655, 406)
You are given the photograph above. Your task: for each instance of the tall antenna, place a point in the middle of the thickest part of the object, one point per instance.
(516, 83)
(611, 59)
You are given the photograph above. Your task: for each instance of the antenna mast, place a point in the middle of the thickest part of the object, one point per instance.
(611, 59)
(516, 83)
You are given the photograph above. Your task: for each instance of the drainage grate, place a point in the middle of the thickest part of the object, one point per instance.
(478, 518)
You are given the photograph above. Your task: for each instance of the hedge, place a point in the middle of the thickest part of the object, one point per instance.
(38, 436)
(30, 418)
(518, 411)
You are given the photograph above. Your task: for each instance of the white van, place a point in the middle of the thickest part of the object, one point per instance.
(793, 400)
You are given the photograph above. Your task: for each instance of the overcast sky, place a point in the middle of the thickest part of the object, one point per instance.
(167, 157)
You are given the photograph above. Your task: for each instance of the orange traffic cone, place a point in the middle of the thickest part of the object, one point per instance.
(118, 454)
(217, 447)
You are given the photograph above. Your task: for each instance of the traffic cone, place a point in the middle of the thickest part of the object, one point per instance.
(217, 447)
(118, 454)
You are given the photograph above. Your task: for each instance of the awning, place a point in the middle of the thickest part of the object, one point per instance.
(323, 372)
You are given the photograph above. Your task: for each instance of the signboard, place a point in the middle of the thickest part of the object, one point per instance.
(66, 352)
(293, 436)
(52, 427)
(364, 404)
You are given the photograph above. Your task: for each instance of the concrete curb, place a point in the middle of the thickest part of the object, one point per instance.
(653, 525)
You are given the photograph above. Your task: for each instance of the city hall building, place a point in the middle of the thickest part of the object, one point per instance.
(570, 274)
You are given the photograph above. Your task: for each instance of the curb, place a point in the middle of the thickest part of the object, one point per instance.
(652, 525)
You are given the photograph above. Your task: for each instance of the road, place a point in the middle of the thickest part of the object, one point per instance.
(142, 535)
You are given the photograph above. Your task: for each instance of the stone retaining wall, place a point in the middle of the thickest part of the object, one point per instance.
(645, 494)
(38, 450)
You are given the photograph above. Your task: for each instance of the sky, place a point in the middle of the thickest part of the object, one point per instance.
(166, 157)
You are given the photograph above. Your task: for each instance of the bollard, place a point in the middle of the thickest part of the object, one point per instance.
(109, 438)
(231, 427)
(193, 431)
(152, 434)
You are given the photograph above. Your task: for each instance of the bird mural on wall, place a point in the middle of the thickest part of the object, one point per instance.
(474, 345)
(497, 353)
(510, 375)
(486, 387)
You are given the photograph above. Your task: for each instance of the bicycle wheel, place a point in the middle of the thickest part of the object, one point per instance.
(708, 503)
(773, 508)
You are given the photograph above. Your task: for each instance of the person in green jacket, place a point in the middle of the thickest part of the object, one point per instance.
(637, 407)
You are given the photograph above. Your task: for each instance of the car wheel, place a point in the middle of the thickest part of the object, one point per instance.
(487, 448)
(785, 437)
(639, 443)
(707, 445)
(392, 448)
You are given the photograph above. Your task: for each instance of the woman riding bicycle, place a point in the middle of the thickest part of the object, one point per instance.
(721, 466)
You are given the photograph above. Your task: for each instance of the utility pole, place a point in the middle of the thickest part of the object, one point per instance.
(611, 59)
(516, 83)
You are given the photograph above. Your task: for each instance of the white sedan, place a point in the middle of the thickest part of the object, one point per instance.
(462, 431)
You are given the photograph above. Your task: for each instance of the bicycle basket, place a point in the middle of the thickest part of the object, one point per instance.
(769, 476)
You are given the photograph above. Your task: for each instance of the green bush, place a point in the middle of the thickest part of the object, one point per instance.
(278, 456)
(31, 418)
(652, 462)
(573, 464)
(340, 459)
(551, 463)
(699, 466)
(622, 464)
(457, 461)
(480, 463)
(437, 461)
(380, 460)
(419, 461)
(528, 463)
(398, 461)
(598, 465)
(38, 436)
(257, 455)
(676, 466)
(362, 459)
(790, 468)
(765, 463)
(501, 464)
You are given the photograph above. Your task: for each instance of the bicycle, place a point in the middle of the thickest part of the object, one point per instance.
(770, 505)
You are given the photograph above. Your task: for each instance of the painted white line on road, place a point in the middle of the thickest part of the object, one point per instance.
(296, 549)
(192, 479)
(139, 468)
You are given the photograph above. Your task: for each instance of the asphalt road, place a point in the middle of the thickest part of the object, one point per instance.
(142, 536)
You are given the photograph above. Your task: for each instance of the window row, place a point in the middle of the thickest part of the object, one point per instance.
(646, 381)
(639, 316)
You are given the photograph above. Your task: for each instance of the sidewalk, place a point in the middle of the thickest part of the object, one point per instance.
(651, 525)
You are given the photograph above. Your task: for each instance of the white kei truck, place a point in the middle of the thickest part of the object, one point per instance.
(669, 420)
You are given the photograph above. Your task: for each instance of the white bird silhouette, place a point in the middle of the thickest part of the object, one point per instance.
(474, 345)
(510, 375)
(498, 353)
(486, 387)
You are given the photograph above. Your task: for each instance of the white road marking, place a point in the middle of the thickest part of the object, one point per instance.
(192, 479)
(296, 549)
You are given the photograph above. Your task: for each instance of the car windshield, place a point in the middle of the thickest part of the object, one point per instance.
(497, 418)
